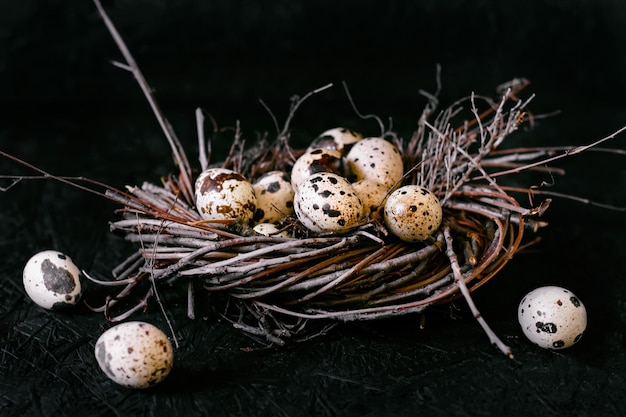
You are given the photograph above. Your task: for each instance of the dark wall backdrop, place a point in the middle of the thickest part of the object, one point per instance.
(66, 109)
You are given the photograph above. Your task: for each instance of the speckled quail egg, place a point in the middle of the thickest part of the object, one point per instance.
(375, 159)
(223, 194)
(338, 138)
(372, 194)
(270, 229)
(314, 161)
(552, 317)
(52, 280)
(327, 203)
(412, 213)
(135, 354)
(274, 197)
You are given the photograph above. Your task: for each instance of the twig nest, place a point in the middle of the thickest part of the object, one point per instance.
(375, 159)
(412, 213)
(52, 280)
(552, 317)
(339, 139)
(274, 197)
(327, 203)
(135, 354)
(313, 161)
(223, 194)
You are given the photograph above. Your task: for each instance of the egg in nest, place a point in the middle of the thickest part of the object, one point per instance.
(327, 203)
(412, 213)
(223, 194)
(274, 197)
(375, 159)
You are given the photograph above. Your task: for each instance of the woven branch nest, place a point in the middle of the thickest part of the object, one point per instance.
(275, 285)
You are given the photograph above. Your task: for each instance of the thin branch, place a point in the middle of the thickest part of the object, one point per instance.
(458, 277)
(175, 145)
(361, 115)
(569, 152)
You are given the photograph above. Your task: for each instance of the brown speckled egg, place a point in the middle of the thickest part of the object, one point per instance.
(375, 159)
(314, 161)
(412, 213)
(327, 203)
(552, 317)
(135, 354)
(52, 280)
(338, 138)
(223, 194)
(274, 197)
(372, 194)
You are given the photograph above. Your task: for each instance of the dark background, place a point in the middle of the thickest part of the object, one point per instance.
(66, 109)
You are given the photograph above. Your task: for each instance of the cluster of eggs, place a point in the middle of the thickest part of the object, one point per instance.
(339, 180)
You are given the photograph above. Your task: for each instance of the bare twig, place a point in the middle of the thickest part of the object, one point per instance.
(130, 65)
(458, 277)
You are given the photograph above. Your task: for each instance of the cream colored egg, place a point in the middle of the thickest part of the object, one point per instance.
(338, 138)
(372, 194)
(223, 194)
(412, 213)
(135, 354)
(552, 317)
(327, 203)
(52, 280)
(375, 159)
(270, 229)
(314, 161)
(274, 197)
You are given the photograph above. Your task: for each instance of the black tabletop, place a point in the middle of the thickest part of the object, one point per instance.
(70, 112)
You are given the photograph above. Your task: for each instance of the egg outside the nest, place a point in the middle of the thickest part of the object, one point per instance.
(552, 317)
(134, 354)
(52, 280)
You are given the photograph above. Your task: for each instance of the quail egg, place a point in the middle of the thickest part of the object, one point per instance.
(274, 197)
(135, 354)
(327, 203)
(375, 159)
(338, 138)
(52, 280)
(223, 194)
(314, 161)
(372, 194)
(552, 317)
(270, 229)
(412, 213)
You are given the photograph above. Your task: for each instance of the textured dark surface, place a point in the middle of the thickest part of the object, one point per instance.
(67, 110)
